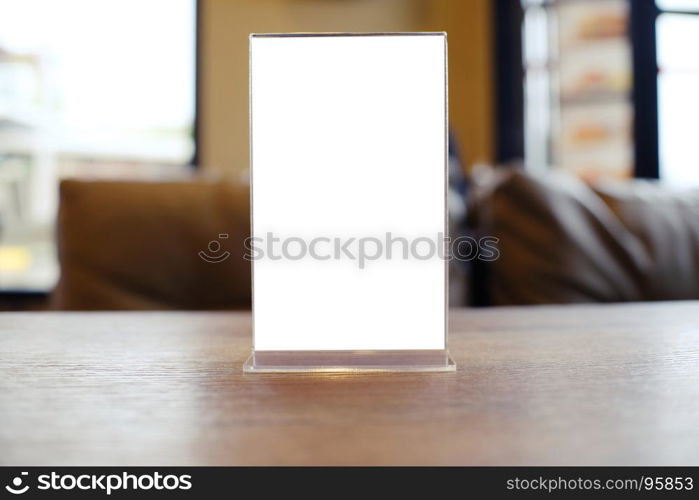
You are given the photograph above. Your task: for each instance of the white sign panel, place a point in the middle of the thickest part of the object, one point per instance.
(348, 191)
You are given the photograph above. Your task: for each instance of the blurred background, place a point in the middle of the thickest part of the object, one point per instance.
(571, 141)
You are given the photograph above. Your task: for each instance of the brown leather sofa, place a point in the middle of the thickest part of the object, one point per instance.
(147, 245)
(135, 245)
(562, 241)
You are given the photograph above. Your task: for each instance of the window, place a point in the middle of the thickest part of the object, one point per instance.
(677, 40)
(87, 89)
(577, 80)
(610, 87)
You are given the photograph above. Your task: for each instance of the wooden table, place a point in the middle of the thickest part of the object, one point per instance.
(613, 384)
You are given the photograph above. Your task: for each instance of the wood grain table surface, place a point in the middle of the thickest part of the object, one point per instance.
(597, 385)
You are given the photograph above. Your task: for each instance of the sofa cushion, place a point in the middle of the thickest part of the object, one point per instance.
(561, 241)
(666, 222)
(135, 245)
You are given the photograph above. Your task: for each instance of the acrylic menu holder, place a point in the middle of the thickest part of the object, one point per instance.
(348, 139)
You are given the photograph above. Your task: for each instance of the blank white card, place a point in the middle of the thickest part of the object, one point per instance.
(348, 191)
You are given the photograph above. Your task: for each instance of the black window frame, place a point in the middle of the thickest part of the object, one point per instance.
(643, 15)
(508, 69)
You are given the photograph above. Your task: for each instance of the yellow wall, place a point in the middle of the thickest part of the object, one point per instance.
(468, 25)
(227, 23)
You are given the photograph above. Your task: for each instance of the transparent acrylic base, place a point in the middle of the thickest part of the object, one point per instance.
(349, 361)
